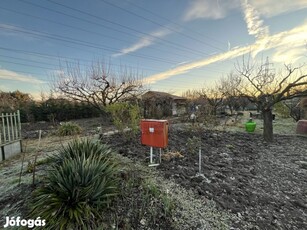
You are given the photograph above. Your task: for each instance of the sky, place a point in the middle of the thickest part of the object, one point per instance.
(173, 45)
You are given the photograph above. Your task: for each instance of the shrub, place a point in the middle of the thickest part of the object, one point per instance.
(77, 187)
(69, 128)
(193, 144)
(125, 115)
(30, 167)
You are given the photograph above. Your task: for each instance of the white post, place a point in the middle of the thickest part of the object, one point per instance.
(19, 124)
(3, 127)
(12, 127)
(151, 154)
(160, 155)
(151, 158)
(199, 160)
(15, 125)
(8, 127)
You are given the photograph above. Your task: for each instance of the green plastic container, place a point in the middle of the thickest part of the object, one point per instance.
(250, 126)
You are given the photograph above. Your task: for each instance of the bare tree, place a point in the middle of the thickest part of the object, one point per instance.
(7, 102)
(191, 94)
(228, 87)
(213, 96)
(265, 88)
(97, 85)
(294, 108)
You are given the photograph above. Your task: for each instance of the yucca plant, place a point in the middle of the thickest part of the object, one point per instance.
(77, 188)
(82, 148)
(69, 128)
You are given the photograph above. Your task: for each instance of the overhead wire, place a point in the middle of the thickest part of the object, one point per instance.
(76, 61)
(47, 68)
(23, 59)
(159, 24)
(81, 29)
(165, 81)
(179, 47)
(28, 65)
(173, 22)
(86, 13)
(78, 42)
(126, 27)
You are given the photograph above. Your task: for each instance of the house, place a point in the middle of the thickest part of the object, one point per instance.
(160, 104)
(303, 104)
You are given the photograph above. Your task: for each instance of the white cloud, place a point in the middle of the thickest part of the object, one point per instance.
(25, 34)
(7, 27)
(279, 43)
(270, 8)
(57, 72)
(144, 41)
(255, 26)
(209, 9)
(287, 54)
(254, 23)
(198, 64)
(11, 75)
(290, 46)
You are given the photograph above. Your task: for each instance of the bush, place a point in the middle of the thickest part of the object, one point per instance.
(193, 144)
(125, 115)
(77, 187)
(69, 128)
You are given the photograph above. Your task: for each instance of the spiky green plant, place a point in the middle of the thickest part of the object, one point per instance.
(82, 148)
(69, 128)
(77, 188)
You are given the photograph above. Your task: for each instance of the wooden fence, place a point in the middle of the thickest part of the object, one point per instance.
(10, 133)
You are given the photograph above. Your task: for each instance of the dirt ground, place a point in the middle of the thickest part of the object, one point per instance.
(264, 184)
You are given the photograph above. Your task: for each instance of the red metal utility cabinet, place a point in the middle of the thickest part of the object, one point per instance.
(154, 132)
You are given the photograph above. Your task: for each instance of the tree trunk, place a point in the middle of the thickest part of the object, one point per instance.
(267, 125)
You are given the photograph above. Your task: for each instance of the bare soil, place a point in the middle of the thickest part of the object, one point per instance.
(263, 184)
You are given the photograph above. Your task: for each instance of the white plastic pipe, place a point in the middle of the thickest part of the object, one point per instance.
(199, 160)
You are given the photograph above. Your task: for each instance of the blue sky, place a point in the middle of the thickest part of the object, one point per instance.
(174, 45)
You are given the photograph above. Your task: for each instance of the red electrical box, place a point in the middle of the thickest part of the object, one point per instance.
(154, 132)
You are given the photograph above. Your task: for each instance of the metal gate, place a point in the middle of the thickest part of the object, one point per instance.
(10, 135)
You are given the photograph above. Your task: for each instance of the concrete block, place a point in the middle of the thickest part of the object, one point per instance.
(12, 149)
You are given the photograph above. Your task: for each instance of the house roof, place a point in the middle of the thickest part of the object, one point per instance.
(157, 94)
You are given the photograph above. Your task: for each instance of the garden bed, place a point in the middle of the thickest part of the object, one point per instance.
(263, 184)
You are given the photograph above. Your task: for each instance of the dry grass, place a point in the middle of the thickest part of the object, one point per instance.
(280, 125)
(10, 171)
(171, 155)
